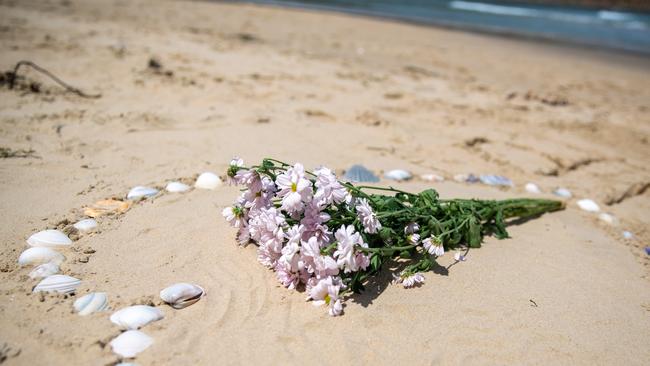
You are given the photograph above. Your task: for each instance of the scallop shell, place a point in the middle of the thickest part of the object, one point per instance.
(49, 238)
(588, 205)
(495, 180)
(58, 283)
(359, 174)
(182, 295)
(93, 302)
(398, 175)
(177, 187)
(40, 255)
(208, 180)
(562, 192)
(533, 188)
(140, 191)
(86, 225)
(106, 207)
(130, 343)
(44, 270)
(136, 316)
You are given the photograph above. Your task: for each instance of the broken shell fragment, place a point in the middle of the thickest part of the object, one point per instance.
(86, 225)
(93, 302)
(182, 295)
(40, 255)
(532, 188)
(136, 316)
(177, 187)
(49, 238)
(58, 283)
(208, 180)
(107, 207)
(588, 205)
(398, 175)
(44, 270)
(130, 343)
(140, 192)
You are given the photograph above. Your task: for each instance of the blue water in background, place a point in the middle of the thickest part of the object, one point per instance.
(628, 31)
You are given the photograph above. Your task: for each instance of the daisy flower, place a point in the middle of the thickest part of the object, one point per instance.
(371, 224)
(294, 189)
(328, 188)
(347, 238)
(413, 280)
(433, 245)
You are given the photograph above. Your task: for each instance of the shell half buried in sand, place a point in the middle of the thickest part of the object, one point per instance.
(141, 192)
(58, 283)
(86, 225)
(44, 270)
(40, 255)
(91, 303)
(130, 343)
(136, 316)
(208, 180)
(182, 295)
(107, 207)
(49, 239)
(177, 187)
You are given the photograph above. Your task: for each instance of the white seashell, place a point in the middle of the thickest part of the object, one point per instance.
(49, 238)
(40, 255)
(628, 235)
(562, 192)
(588, 205)
(93, 302)
(177, 187)
(532, 188)
(86, 225)
(208, 180)
(432, 178)
(182, 295)
(58, 283)
(44, 270)
(140, 191)
(136, 316)
(398, 174)
(608, 218)
(130, 343)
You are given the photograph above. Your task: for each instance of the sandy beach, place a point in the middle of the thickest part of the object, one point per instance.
(319, 88)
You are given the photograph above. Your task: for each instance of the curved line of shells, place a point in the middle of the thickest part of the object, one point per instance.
(44, 254)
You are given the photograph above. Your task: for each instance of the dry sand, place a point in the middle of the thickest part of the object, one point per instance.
(321, 89)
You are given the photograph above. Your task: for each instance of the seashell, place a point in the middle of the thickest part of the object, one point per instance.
(562, 192)
(86, 225)
(647, 250)
(140, 191)
(49, 238)
(208, 180)
(588, 205)
(359, 174)
(532, 188)
(107, 207)
(93, 302)
(608, 218)
(136, 316)
(495, 180)
(177, 187)
(182, 295)
(130, 343)
(40, 255)
(432, 178)
(44, 270)
(466, 178)
(628, 235)
(398, 175)
(58, 283)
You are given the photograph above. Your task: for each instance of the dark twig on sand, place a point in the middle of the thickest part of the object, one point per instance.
(13, 76)
(6, 152)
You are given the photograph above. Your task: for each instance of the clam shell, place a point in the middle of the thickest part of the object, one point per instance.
(562, 192)
(86, 225)
(93, 302)
(398, 174)
(359, 174)
(588, 205)
(106, 207)
(208, 180)
(140, 191)
(40, 255)
(136, 316)
(533, 188)
(182, 295)
(49, 238)
(495, 180)
(177, 187)
(130, 343)
(58, 283)
(44, 270)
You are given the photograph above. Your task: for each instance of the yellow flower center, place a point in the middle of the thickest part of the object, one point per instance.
(327, 299)
(294, 187)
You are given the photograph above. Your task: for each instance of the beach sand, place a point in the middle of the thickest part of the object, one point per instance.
(329, 89)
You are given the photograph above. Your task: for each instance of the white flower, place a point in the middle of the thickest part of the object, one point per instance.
(459, 257)
(249, 178)
(433, 245)
(347, 238)
(235, 216)
(326, 291)
(313, 223)
(321, 266)
(266, 227)
(235, 165)
(295, 189)
(329, 190)
(413, 280)
(368, 218)
(413, 239)
(411, 228)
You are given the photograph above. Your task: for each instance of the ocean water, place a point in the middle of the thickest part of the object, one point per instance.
(629, 31)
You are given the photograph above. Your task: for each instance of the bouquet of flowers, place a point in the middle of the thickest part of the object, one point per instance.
(328, 237)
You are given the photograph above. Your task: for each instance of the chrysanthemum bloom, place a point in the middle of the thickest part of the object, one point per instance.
(413, 239)
(326, 291)
(320, 265)
(347, 238)
(235, 215)
(433, 245)
(250, 178)
(412, 280)
(295, 189)
(328, 188)
(371, 224)
(411, 228)
(236, 164)
(313, 222)
(267, 229)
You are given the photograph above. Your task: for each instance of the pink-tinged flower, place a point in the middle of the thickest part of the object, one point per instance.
(290, 275)
(313, 223)
(235, 215)
(413, 239)
(347, 238)
(266, 227)
(267, 256)
(326, 292)
(294, 234)
(413, 280)
(371, 224)
(320, 265)
(236, 164)
(295, 189)
(250, 178)
(328, 188)
(411, 228)
(243, 235)
(433, 245)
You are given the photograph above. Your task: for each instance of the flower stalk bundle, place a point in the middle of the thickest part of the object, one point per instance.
(329, 237)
